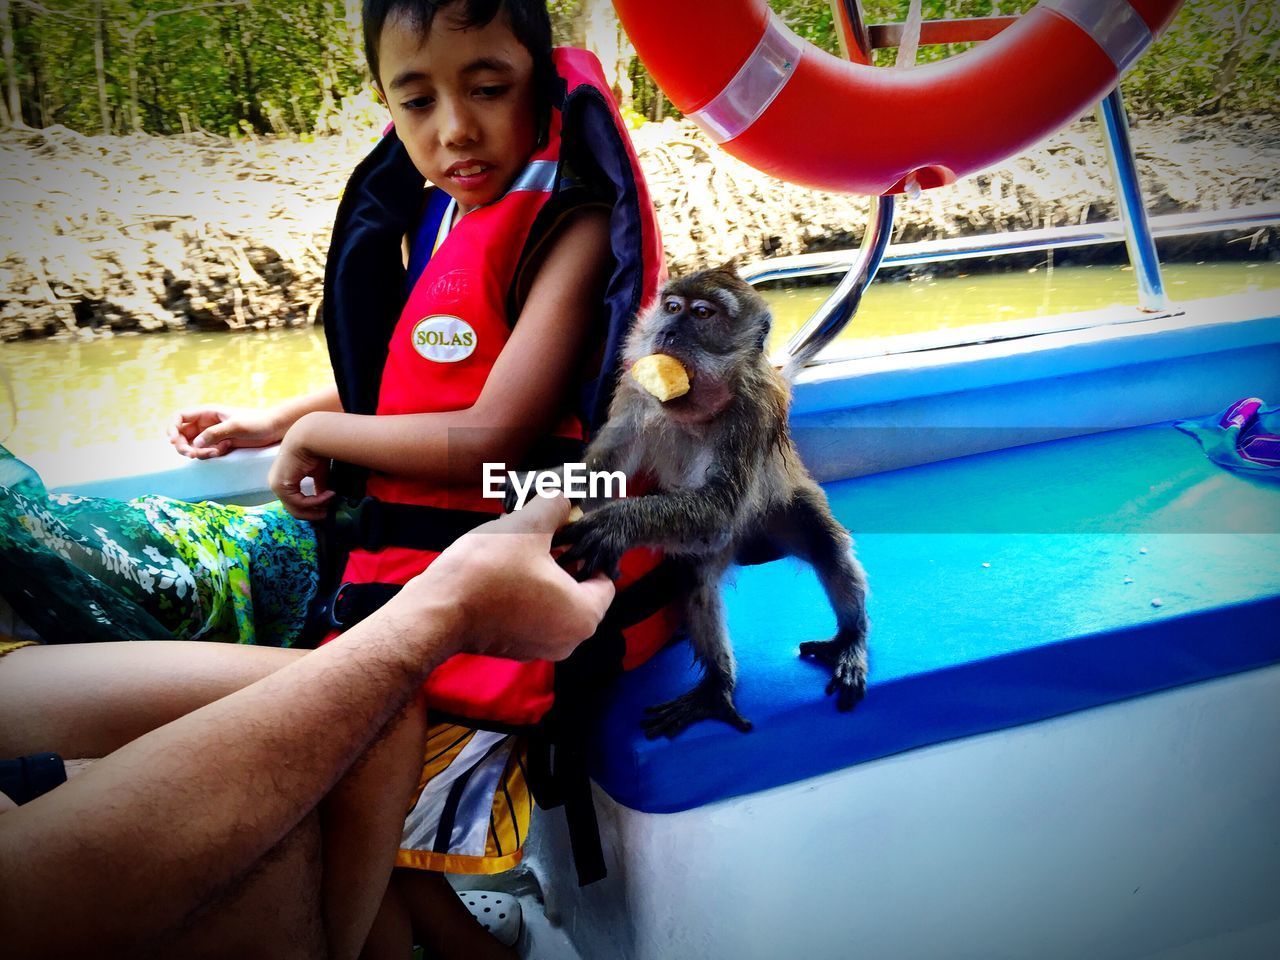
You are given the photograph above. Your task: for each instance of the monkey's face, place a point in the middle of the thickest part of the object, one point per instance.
(715, 324)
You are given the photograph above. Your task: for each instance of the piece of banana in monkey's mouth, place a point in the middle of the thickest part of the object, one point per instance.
(663, 376)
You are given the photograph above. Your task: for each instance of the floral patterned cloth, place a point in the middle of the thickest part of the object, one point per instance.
(80, 568)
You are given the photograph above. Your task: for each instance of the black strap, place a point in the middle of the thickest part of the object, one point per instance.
(552, 452)
(542, 782)
(372, 524)
(353, 602)
(24, 779)
(580, 812)
(670, 579)
(557, 776)
(577, 687)
(581, 682)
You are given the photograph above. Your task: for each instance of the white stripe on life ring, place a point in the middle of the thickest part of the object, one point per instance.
(1114, 25)
(758, 81)
(538, 176)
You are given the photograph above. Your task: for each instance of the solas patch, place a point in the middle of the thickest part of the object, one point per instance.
(443, 339)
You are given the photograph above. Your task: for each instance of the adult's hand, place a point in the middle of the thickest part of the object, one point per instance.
(509, 597)
(202, 433)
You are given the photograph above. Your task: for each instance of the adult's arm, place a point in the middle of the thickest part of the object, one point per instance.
(177, 818)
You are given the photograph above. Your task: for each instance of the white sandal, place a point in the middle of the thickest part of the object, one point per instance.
(499, 913)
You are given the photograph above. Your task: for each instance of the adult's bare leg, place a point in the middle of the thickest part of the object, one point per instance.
(87, 700)
(275, 913)
(444, 926)
(94, 698)
(318, 892)
(362, 823)
(392, 935)
(195, 807)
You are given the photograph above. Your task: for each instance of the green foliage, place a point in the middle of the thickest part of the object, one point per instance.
(813, 20)
(265, 65)
(220, 65)
(1217, 55)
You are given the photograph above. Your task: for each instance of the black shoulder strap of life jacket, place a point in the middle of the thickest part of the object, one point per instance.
(364, 291)
(593, 148)
(364, 277)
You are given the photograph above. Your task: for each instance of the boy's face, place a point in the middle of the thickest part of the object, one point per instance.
(462, 102)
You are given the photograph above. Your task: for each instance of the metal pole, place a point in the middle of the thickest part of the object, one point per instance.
(838, 309)
(1133, 211)
(851, 30)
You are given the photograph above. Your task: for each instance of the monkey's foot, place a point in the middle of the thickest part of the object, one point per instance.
(703, 702)
(848, 663)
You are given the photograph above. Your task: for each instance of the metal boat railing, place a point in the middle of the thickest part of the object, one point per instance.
(1134, 228)
(834, 315)
(1133, 211)
(1255, 217)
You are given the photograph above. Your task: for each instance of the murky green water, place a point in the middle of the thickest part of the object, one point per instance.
(73, 394)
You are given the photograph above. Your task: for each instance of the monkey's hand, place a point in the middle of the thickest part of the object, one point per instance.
(706, 701)
(597, 541)
(846, 656)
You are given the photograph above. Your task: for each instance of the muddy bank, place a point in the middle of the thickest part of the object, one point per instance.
(147, 233)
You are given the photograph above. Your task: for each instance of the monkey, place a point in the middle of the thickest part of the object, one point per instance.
(724, 482)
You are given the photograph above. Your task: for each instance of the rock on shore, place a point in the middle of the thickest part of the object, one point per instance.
(148, 233)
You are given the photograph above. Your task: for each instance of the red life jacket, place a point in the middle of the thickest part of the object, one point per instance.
(442, 347)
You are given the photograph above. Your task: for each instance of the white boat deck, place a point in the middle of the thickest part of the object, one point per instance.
(1141, 829)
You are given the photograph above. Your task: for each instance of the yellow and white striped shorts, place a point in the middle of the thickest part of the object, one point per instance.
(8, 644)
(473, 807)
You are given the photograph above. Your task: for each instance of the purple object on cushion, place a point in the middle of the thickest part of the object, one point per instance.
(1244, 437)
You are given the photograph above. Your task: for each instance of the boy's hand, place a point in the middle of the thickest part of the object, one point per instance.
(292, 465)
(503, 593)
(212, 431)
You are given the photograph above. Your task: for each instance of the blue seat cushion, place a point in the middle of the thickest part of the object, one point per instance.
(1006, 588)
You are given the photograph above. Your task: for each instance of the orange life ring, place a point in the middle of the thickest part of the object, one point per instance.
(800, 114)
